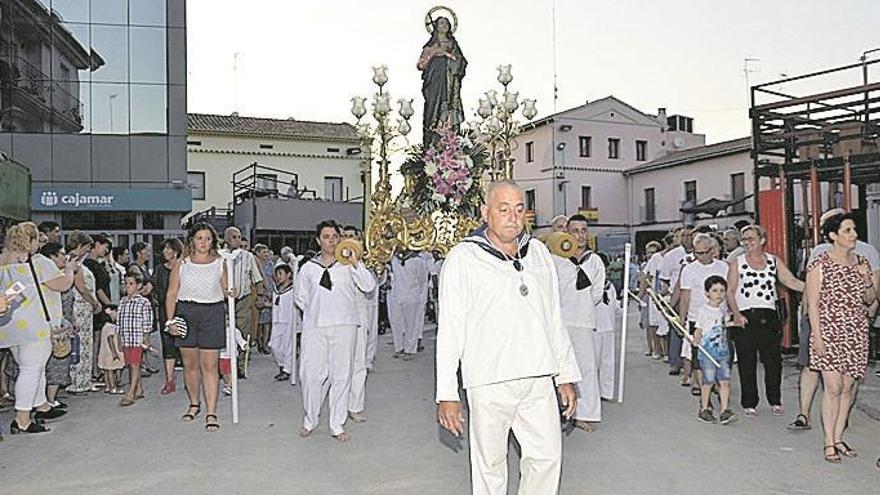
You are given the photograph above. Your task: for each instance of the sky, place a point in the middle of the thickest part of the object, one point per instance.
(307, 58)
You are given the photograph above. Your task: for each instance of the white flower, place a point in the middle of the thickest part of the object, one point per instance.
(467, 142)
(430, 168)
(468, 161)
(438, 198)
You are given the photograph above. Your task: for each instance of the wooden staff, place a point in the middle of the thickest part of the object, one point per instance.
(670, 315)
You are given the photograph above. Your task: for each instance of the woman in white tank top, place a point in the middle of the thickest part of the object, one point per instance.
(196, 292)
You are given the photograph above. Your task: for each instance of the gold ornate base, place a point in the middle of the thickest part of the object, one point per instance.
(391, 231)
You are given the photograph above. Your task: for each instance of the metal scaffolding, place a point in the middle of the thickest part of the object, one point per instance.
(810, 130)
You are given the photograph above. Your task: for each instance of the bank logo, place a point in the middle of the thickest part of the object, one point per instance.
(49, 198)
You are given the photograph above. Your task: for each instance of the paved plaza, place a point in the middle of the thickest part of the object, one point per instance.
(652, 443)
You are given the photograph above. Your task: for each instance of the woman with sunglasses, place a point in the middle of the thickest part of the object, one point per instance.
(752, 297)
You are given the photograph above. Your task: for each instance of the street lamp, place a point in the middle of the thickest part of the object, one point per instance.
(498, 125)
(381, 133)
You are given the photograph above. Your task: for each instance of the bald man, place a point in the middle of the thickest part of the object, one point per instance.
(500, 320)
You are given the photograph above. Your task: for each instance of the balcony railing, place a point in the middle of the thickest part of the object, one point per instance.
(31, 80)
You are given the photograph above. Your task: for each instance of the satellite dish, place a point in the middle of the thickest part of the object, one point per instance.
(678, 142)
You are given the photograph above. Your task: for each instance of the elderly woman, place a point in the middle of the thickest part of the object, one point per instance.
(26, 327)
(85, 306)
(839, 290)
(751, 297)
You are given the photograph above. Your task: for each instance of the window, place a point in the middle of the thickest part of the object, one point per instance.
(650, 209)
(641, 150)
(193, 143)
(613, 148)
(332, 150)
(738, 191)
(586, 197)
(585, 143)
(196, 182)
(530, 200)
(530, 152)
(690, 192)
(333, 188)
(266, 146)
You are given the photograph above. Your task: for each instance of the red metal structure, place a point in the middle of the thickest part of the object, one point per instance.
(810, 130)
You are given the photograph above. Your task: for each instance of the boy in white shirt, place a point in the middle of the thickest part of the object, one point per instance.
(283, 313)
(711, 333)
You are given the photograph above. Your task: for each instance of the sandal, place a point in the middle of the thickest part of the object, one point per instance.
(846, 451)
(834, 458)
(695, 391)
(189, 416)
(800, 423)
(210, 425)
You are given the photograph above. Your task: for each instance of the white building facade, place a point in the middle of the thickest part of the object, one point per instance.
(285, 162)
(629, 171)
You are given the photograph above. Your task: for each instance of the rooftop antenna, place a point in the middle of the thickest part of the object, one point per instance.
(235, 59)
(555, 85)
(746, 71)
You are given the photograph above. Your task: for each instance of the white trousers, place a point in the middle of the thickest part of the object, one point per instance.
(30, 386)
(279, 342)
(357, 395)
(528, 407)
(589, 406)
(406, 324)
(605, 359)
(327, 356)
(372, 326)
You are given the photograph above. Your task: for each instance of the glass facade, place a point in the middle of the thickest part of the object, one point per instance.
(93, 95)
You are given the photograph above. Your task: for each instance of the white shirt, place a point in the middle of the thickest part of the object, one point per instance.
(693, 278)
(672, 264)
(409, 280)
(245, 271)
(491, 329)
(653, 269)
(608, 315)
(201, 282)
(283, 307)
(338, 306)
(579, 306)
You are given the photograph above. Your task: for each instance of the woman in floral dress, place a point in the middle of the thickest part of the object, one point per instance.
(839, 290)
(85, 305)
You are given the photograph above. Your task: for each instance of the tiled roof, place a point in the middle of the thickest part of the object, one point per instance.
(695, 154)
(282, 128)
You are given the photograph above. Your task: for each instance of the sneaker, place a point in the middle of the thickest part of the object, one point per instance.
(655, 356)
(778, 410)
(647, 353)
(727, 417)
(227, 390)
(751, 412)
(706, 416)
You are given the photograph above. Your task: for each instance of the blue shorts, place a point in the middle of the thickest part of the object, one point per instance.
(713, 374)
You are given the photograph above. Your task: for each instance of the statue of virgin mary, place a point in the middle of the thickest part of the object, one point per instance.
(443, 67)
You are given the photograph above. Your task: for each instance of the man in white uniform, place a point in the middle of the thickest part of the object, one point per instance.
(501, 320)
(357, 396)
(326, 291)
(581, 283)
(406, 301)
(693, 296)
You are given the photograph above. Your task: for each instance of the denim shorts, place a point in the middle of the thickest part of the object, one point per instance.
(713, 374)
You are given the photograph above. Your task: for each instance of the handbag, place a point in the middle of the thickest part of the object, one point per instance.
(61, 343)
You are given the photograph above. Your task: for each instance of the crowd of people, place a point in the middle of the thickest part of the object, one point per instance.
(521, 324)
(711, 301)
(88, 311)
